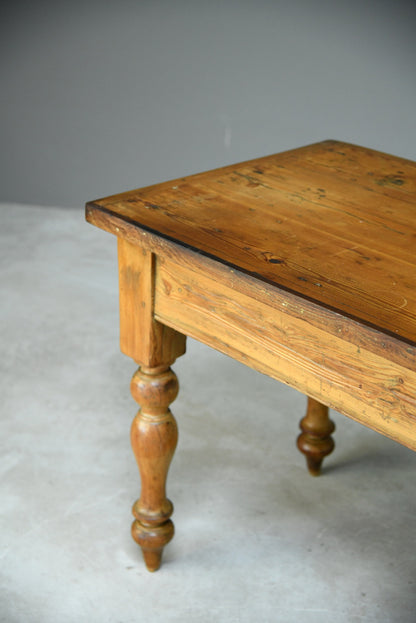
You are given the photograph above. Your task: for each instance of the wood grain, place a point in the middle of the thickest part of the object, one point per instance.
(301, 265)
(142, 338)
(154, 436)
(154, 386)
(286, 337)
(332, 222)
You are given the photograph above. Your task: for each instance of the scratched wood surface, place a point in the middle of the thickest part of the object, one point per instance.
(300, 265)
(332, 222)
(344, 365)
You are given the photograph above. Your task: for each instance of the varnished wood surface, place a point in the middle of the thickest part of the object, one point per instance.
(300, 265)
(142, 338)
(154, 386)
(347, 366)
(315, 440)
(331, 222)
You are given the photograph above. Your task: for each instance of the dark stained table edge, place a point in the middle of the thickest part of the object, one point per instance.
(92, 207)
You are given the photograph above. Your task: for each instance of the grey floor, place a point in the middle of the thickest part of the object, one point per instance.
(257, 539)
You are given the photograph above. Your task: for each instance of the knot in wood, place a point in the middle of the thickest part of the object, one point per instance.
(154, 390)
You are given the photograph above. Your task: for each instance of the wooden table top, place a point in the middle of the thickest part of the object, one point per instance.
(332, 222)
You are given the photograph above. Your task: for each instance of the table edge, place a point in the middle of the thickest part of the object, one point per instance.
(123, 226)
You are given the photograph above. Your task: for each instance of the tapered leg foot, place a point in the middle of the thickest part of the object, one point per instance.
(152, 541)
(315, 440)
(153, 436)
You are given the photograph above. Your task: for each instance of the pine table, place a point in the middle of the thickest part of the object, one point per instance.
(301, 265)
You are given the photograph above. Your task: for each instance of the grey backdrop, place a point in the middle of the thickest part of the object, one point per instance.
(100, 97)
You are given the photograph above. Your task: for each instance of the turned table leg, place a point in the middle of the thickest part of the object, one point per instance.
(153, 436)
(154, 386)
(315, 440)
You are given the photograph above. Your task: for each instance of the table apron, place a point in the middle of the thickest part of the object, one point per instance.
(368, 387)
